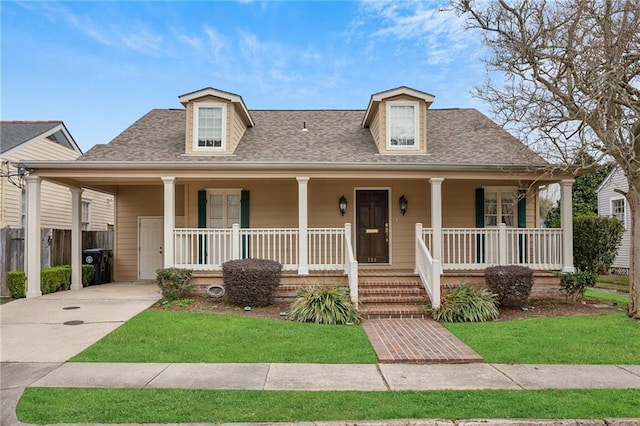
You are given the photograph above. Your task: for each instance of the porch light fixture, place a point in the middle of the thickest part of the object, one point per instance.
(404, 204)
(342, 204)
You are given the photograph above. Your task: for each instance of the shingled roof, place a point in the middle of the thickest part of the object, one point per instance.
(15, 133)
(456, 137)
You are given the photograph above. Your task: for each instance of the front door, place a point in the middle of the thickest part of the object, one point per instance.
(372, 226)
(150, 241)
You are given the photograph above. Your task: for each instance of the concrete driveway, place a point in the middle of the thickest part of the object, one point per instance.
(39, 330)
(38, 335)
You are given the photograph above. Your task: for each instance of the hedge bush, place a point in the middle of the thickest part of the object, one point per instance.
(174, 283)
(467, 304)
(88, 271)
(251, 282)
(55, 278)
(595, 242)
(511, 284)
(16, 281)
(575, 284)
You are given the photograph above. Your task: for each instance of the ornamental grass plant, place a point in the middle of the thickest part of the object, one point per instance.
(324, 305)
(467, 304)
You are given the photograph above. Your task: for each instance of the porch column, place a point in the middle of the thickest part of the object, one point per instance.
(76, 238)
(436, 217)
(32, 237)
(303, 258)
(169, 219)
(566, 221)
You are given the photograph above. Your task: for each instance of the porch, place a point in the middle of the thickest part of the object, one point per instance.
(327, 252)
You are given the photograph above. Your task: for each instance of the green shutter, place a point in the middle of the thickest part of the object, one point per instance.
(244, 209)
(479, 207)
(522, 208)
(202, 223)
(202, 208)
(244, 221)
(480, 241)
(522, 223)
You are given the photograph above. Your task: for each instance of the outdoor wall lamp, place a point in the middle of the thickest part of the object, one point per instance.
(342, 204)
(404, 204)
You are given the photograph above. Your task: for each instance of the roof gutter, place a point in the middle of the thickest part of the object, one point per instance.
(247, 165)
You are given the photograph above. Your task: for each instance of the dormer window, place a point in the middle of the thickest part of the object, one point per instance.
(209, 126)
(402, 125)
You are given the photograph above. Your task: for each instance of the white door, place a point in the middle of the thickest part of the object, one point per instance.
(150, 240)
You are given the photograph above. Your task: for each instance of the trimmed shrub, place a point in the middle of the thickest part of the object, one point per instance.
(54, 279)
(324, 305)
(511, 284)
(251, 282)
(575, 284)
(174, 283)
(595, 242)
(88, 271)
(16, 281)
(467, 304)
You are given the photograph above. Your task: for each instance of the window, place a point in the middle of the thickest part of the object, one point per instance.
(209, 126)
(86, 215)
(402, 124)
(499, 207)
(617, 209)
(224, 208)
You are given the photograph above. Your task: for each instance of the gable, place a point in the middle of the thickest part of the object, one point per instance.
(18, 134)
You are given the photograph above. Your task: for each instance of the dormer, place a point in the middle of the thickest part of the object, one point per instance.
(216, 121)
(397, 119)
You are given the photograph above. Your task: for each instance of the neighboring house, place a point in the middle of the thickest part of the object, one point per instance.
(612, 203)
(397, 186)
(22, 141)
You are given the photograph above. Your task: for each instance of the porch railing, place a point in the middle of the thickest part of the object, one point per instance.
(350, 265)
(207, 249)
(427, 268)
(478, 248)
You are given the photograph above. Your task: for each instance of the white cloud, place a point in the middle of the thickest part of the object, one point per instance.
(427, 25)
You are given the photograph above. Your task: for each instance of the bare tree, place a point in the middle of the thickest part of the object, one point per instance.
(572, 71)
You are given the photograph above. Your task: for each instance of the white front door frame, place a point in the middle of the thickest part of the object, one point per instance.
(150, 249)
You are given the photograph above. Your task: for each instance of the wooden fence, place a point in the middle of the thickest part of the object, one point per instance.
(55, 248)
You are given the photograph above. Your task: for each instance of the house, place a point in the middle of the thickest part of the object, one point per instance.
(45, 140)
(438, 194)
(612, 203)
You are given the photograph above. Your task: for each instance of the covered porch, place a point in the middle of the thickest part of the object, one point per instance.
(306, 247)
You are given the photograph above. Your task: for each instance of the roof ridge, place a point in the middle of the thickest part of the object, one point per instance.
(31, 121)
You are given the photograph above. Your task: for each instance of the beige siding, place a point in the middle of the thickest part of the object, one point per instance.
(375, 128)
(274, 204)
(55, 199)
(133, 202)
(236, 128)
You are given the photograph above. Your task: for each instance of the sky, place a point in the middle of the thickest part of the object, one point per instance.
(100, 66)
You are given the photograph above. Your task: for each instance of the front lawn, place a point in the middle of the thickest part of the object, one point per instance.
(167, 336)
(64, 405)
(613, 282)
(600, 339)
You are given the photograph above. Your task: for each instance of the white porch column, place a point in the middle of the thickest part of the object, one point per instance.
(566, 221)
(76, 238)
(169, 219)
(303, 256)
(32, 237)
(436, 217)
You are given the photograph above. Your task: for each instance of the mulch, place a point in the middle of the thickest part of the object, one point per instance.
(533, 308)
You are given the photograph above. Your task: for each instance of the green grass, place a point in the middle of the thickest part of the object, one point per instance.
(603, 339)
(162, 336)
(609, 297)
(5, 299)
(613, 282)
(65, 405)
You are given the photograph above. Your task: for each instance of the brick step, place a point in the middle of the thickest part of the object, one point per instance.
(395, 300)
(391, 291)
(386, 310)
(388, 283)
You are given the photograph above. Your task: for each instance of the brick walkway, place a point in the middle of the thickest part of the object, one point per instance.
(413, 340)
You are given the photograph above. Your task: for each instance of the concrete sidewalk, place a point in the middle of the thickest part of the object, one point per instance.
(319, 377)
